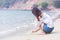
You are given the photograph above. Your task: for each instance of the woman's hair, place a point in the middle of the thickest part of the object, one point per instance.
(36, 12)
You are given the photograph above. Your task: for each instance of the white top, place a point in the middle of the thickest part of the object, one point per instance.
(47, 20)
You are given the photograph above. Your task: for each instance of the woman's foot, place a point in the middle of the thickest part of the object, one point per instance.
(42, 33)
(34, 31)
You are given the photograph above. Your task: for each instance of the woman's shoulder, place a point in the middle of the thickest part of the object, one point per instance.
(46, 16)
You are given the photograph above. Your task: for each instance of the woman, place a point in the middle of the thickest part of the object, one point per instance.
(45, 23)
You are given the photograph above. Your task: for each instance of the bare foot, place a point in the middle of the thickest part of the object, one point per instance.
(42, 33)
(33, 31)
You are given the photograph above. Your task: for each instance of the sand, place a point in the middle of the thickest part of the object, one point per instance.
(55, 35)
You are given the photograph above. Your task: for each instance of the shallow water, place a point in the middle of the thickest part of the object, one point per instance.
(12, 20)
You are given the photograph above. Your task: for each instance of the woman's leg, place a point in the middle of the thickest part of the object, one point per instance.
(41, 28)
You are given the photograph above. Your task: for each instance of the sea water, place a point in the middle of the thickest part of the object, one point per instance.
(13, 20)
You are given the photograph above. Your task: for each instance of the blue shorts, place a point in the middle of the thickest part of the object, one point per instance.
(47, 29)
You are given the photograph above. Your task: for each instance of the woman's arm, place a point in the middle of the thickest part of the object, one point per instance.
(40, 27)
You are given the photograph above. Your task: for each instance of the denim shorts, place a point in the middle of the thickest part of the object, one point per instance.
(47, 29)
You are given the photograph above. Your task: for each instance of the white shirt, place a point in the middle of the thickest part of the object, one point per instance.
(45, 19)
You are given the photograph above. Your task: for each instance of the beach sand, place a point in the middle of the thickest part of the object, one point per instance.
(55, 35)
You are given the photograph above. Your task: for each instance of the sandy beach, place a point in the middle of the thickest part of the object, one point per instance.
(16, 20)
(55, 35)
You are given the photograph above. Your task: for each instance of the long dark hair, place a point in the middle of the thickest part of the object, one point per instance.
(36, 12)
